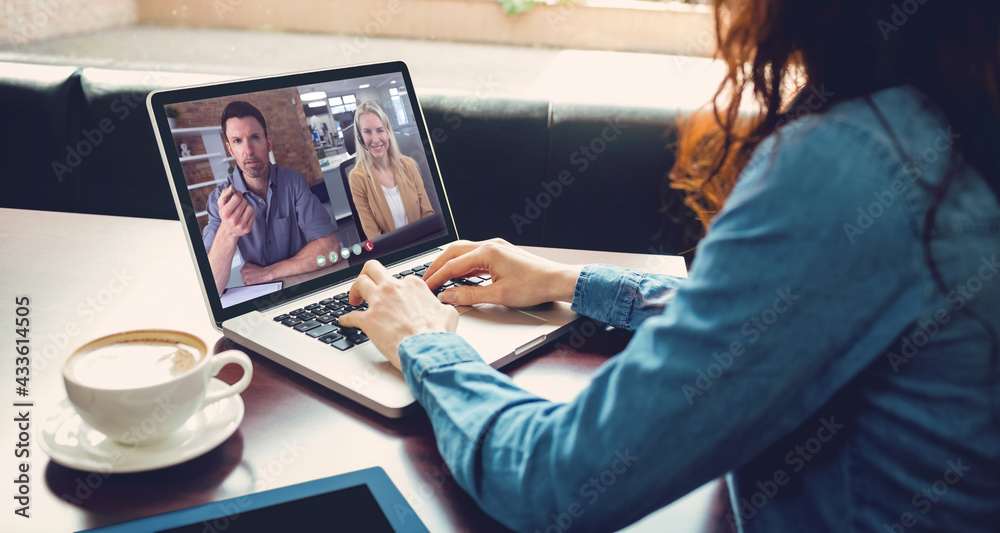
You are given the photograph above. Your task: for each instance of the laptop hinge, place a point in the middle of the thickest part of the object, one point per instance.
(321, 289)
(412, 257)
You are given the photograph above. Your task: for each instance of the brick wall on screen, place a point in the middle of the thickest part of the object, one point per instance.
(24, 21)
(292, 144)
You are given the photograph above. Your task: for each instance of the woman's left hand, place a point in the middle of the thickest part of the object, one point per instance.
(397, 309)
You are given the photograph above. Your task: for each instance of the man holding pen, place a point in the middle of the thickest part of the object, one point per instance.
(265, 210)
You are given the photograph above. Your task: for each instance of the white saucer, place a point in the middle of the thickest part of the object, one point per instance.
(69, 441)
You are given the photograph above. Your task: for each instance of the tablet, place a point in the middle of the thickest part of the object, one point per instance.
(365, 500)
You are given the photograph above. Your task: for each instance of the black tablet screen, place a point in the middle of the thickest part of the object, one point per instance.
(350, 509)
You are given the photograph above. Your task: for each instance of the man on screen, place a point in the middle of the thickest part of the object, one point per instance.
(266, 210)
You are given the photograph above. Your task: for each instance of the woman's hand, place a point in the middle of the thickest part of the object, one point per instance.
(397, 309)
(520, 279)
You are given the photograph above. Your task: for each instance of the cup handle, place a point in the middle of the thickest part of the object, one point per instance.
(222, 359)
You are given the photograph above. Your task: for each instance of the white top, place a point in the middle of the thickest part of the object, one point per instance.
(395, 201)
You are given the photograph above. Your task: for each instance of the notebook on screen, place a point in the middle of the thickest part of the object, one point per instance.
(278, 231)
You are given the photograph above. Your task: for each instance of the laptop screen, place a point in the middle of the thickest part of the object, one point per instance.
(288, 184)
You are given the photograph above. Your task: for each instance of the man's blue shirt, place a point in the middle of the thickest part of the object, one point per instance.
(289, 218)
(811, 355)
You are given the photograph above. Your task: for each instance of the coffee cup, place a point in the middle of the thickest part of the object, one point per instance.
(139, 387)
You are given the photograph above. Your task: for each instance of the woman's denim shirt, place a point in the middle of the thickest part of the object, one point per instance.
(812, 355)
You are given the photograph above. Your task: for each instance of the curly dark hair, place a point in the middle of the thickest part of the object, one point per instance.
(773, 49)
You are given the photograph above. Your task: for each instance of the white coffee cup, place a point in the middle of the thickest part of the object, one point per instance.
(139, 387)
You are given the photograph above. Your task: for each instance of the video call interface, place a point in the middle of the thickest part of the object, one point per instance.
(318, 216)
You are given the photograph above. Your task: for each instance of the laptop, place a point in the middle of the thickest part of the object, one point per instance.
(294, 320)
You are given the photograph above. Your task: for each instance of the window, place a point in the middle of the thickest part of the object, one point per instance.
(397, 104)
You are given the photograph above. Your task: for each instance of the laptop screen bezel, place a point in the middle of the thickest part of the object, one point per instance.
(158, 100)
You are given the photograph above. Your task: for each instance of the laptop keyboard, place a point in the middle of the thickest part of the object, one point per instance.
(319, 320)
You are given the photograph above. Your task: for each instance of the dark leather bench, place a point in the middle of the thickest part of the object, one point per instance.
(39, 109)
(531, 171)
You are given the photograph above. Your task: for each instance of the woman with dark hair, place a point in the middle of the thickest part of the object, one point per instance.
(834, 350)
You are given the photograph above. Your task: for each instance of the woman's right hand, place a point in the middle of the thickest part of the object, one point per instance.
(520, 279)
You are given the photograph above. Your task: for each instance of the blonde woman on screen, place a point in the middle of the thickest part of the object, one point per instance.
(386, 185)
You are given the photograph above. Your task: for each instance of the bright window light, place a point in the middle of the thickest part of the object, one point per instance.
(400, 113)
(349, 99)
(335, 101)
(393, 91)
(318, 95)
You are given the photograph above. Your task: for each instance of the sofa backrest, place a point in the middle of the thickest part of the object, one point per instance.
(532, 171)
(38, 104)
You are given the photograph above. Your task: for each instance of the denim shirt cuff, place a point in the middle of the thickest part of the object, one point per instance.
(606, 293)
(422, 353)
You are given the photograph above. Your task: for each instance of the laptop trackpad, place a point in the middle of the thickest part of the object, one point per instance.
(495, 331)
(498, 314)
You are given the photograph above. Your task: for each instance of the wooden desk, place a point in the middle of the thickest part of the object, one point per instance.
(88, 276)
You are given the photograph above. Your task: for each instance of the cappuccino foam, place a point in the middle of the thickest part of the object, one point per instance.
(132, 365)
